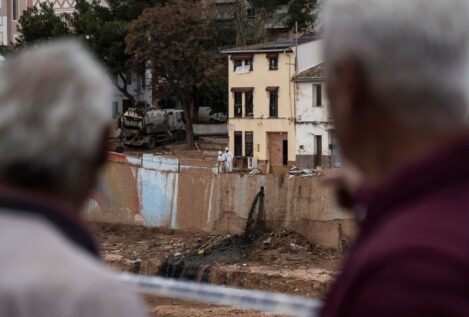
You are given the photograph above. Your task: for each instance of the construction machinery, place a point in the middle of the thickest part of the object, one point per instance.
(149, 127)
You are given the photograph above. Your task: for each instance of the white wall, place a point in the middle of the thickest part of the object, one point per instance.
(311, 120)
(305, 103)
(3, 30)
(310, 54)
(135, 88)
(305, 137)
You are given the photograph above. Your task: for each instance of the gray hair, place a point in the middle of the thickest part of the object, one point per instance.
(54, 107)
(415, 53)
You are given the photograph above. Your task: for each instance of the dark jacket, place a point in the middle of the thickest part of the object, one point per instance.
(411, 258)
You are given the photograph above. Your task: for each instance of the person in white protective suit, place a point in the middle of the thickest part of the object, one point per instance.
(228, 161)
(221, 161)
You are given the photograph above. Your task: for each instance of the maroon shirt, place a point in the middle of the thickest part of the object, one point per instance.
(412, 256)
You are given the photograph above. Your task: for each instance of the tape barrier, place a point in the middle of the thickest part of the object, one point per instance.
(281, 304)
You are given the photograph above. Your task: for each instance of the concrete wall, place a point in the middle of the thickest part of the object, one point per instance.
(305, 138)
(165, 192)
(210, 129)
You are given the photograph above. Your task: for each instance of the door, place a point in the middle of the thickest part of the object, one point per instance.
(318, 156)
(277, 144)
(285, 152)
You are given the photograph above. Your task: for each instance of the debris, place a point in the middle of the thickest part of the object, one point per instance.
(255, 172)
(296, 247)
(295, 171)
(200, 253)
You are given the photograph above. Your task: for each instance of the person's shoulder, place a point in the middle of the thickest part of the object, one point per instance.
(58, 274)
(94, 287)
(107, 296)
(429, 226)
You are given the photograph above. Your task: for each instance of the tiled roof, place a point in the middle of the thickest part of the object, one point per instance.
(313, 73)
(277, 46)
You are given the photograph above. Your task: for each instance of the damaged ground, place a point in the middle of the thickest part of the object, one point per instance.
(281, 261)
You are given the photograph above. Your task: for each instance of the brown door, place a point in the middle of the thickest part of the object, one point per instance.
(285, 152)
(278, 147)
(318, 156)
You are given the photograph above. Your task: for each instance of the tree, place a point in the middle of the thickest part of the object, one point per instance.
(302, 12)
(40, 23)
(177, 40)
(105, 27)
(250, 18)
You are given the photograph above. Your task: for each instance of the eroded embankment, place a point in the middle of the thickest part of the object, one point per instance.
(280, 261)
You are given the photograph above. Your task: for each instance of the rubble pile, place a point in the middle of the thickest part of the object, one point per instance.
(304, 172)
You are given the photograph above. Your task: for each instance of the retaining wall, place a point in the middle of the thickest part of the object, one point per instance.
(210, 129)
(181, 194)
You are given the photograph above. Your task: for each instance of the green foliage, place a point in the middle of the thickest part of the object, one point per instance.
(105, 28)
(177, 39)
(37, 24)
(103, 33)
(250, 28)
(5, 49)
(304, 13)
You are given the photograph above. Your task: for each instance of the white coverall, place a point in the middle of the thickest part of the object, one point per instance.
(228, 161)
(221, 161)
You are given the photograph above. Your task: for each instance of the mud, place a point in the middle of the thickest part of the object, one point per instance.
(198, 265)
(281, 261)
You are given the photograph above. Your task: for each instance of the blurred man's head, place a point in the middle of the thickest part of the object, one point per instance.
(54, 112)
(397, 74)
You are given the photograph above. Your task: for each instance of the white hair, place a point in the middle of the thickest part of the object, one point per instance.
(54, 108)
(414, 52)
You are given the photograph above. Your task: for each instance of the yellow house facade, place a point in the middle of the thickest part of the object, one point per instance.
(261, 116)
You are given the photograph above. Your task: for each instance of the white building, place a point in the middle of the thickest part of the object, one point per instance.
(315, 145)
(313, 135)
(309, 52)
(138, 85)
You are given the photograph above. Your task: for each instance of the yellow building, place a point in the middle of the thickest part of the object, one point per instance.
(261, 113)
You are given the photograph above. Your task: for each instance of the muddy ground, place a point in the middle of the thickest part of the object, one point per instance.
(280, 261)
